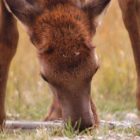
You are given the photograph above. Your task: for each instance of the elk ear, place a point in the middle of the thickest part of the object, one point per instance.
(24, 10)
(95, 9)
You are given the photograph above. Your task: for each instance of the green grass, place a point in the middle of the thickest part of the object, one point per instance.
(113, 87)
(43, 134)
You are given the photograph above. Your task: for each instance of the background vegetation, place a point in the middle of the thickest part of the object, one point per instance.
(113, 86)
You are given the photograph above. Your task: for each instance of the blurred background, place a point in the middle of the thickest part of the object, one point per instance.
(113, 86)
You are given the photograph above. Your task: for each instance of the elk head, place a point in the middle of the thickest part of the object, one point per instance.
(62, 31)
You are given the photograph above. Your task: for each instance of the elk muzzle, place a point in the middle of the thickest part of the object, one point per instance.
(76, 108)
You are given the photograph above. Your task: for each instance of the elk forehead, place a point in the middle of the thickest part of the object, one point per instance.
(60, 27)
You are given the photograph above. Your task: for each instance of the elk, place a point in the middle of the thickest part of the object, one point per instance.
(62, 31)
(131, 17)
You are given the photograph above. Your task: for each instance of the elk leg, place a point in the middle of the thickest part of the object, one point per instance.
(55, 112)
(8, 44)
(96, 119)
(131, 13)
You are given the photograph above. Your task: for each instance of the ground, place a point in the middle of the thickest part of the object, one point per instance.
(113, 87)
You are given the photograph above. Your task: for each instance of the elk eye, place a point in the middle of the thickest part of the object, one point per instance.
(97, 68)
(50, 50)
(44, 78)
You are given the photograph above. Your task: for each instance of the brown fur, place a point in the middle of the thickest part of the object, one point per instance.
(55, 111)
(8, 43)
(66, 59)
(69, 54)
(62, 31)
(131, 16)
